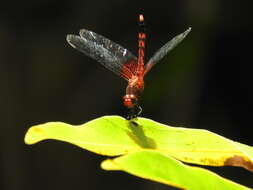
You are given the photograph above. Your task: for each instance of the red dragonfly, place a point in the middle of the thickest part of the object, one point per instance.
(122, 62)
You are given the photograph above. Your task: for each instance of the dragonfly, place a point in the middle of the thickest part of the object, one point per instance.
(122, 62)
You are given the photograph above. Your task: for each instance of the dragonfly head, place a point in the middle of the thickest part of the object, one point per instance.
(130, 100)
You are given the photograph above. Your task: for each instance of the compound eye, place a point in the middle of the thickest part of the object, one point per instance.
(134, 101)
(128, 103)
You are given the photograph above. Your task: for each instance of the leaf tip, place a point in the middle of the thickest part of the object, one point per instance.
(34, 135)
(109, 165)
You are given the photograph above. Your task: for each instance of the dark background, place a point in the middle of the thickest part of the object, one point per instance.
(206, 82)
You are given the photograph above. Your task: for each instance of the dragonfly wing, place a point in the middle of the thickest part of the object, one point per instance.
(164, 50)
(109, 54)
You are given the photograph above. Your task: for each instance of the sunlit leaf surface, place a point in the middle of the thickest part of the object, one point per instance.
(113, 136)
(161, 168)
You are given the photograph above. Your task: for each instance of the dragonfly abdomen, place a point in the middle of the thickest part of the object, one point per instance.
(141, 46)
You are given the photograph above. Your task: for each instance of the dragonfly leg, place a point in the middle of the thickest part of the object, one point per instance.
(131, 114)
(134, 112)
(140, 110)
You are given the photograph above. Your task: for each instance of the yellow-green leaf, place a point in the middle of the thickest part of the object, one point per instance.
(158, 167)
(113, 136)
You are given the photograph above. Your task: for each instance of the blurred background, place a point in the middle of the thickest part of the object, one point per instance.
(206, 82)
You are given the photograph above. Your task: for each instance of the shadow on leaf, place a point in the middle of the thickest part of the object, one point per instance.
(138, 136)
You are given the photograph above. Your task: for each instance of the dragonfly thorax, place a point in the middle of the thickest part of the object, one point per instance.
(133, 91)
(135, 85)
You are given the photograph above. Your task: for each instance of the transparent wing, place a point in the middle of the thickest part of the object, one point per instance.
(111, 55)
(164, 50)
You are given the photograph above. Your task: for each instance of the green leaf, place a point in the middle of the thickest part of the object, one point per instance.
(113, 136)
(158, 167)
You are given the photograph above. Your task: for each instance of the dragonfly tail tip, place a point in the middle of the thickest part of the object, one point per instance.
(141, 17)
